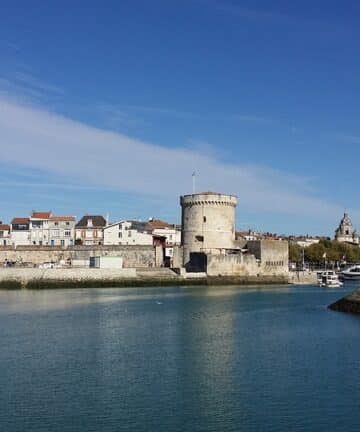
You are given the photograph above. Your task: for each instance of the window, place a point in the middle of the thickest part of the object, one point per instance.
(56, 223)
(62, 242)
(67, 223)
(67, 233)
(129, 233)
(120, 234)
(204, 218)
(170, 237)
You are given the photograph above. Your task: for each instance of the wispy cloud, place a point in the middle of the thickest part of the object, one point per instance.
(351, 139)
(42, 140)
(247, 12)
(252, 118)
(115, 117)
(162, 111)
(28, 80)
(10, 45)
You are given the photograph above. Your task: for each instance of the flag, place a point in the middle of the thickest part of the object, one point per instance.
(324, 255)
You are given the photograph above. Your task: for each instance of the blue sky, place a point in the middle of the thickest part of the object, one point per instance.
(110, 108)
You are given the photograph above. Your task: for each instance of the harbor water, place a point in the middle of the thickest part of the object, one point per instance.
(178, 359)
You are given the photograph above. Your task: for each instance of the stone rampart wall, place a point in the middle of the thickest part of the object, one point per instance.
(35, 274)
(133, 256)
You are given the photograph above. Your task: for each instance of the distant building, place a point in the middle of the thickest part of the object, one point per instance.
(4, 234)
(171, 232)
(90, 230)
(306, 242)
(20, 231)
(346, 233)
(61, 231)
(128, 233)
(50, 230)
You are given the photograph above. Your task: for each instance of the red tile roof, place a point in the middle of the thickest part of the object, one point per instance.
(41, 215)
(4, 227)
(157, 223)
(62, 218)
(20, 221)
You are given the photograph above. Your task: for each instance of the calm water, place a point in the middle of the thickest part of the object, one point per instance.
(178, 359)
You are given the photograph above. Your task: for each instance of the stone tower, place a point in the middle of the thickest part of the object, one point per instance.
(345, 232)
(207, 223)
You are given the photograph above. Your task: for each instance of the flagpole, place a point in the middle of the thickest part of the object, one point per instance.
(193, 181)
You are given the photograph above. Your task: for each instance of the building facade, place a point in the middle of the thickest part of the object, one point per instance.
(128, 233)
(90, 230)
(345, 232)
(47, 229)
(61, 231)
(171, 233)
(20, 231)
(39, 228)
(4, 234)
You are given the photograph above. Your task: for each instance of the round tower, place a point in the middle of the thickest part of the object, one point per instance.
(207, 223)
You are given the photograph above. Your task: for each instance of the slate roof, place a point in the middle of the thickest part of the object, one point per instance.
(97, 221)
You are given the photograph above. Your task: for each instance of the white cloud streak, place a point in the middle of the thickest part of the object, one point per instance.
(36, 138)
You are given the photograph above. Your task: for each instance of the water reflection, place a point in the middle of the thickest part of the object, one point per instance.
(179, 359)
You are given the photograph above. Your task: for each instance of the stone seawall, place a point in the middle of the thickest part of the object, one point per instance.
(133, 256)
(302, 278)
(16, 278)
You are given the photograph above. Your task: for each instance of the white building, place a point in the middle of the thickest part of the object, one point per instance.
(171, 232)
(90, 230)
(306, 242)
(61, 231)
(49, 230)
(4, 234)
(20, 231)
(128, 233)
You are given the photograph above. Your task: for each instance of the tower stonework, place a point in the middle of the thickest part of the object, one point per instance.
(207, 223)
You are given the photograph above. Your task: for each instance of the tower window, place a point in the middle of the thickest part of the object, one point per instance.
(204, 218)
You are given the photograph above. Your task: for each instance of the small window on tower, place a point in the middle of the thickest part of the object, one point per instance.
(204, 218)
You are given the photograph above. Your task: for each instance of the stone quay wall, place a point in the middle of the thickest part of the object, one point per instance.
(35, 274)
(133, 256)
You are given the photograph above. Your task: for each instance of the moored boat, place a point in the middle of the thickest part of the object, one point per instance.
(352, 272)
(329, 279)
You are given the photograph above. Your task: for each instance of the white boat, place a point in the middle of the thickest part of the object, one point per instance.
(352, 272)
(329, 279)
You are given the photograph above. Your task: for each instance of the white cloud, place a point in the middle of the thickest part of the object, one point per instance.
(35, 138)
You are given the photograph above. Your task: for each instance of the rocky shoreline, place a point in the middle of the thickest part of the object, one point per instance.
(349, 303)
